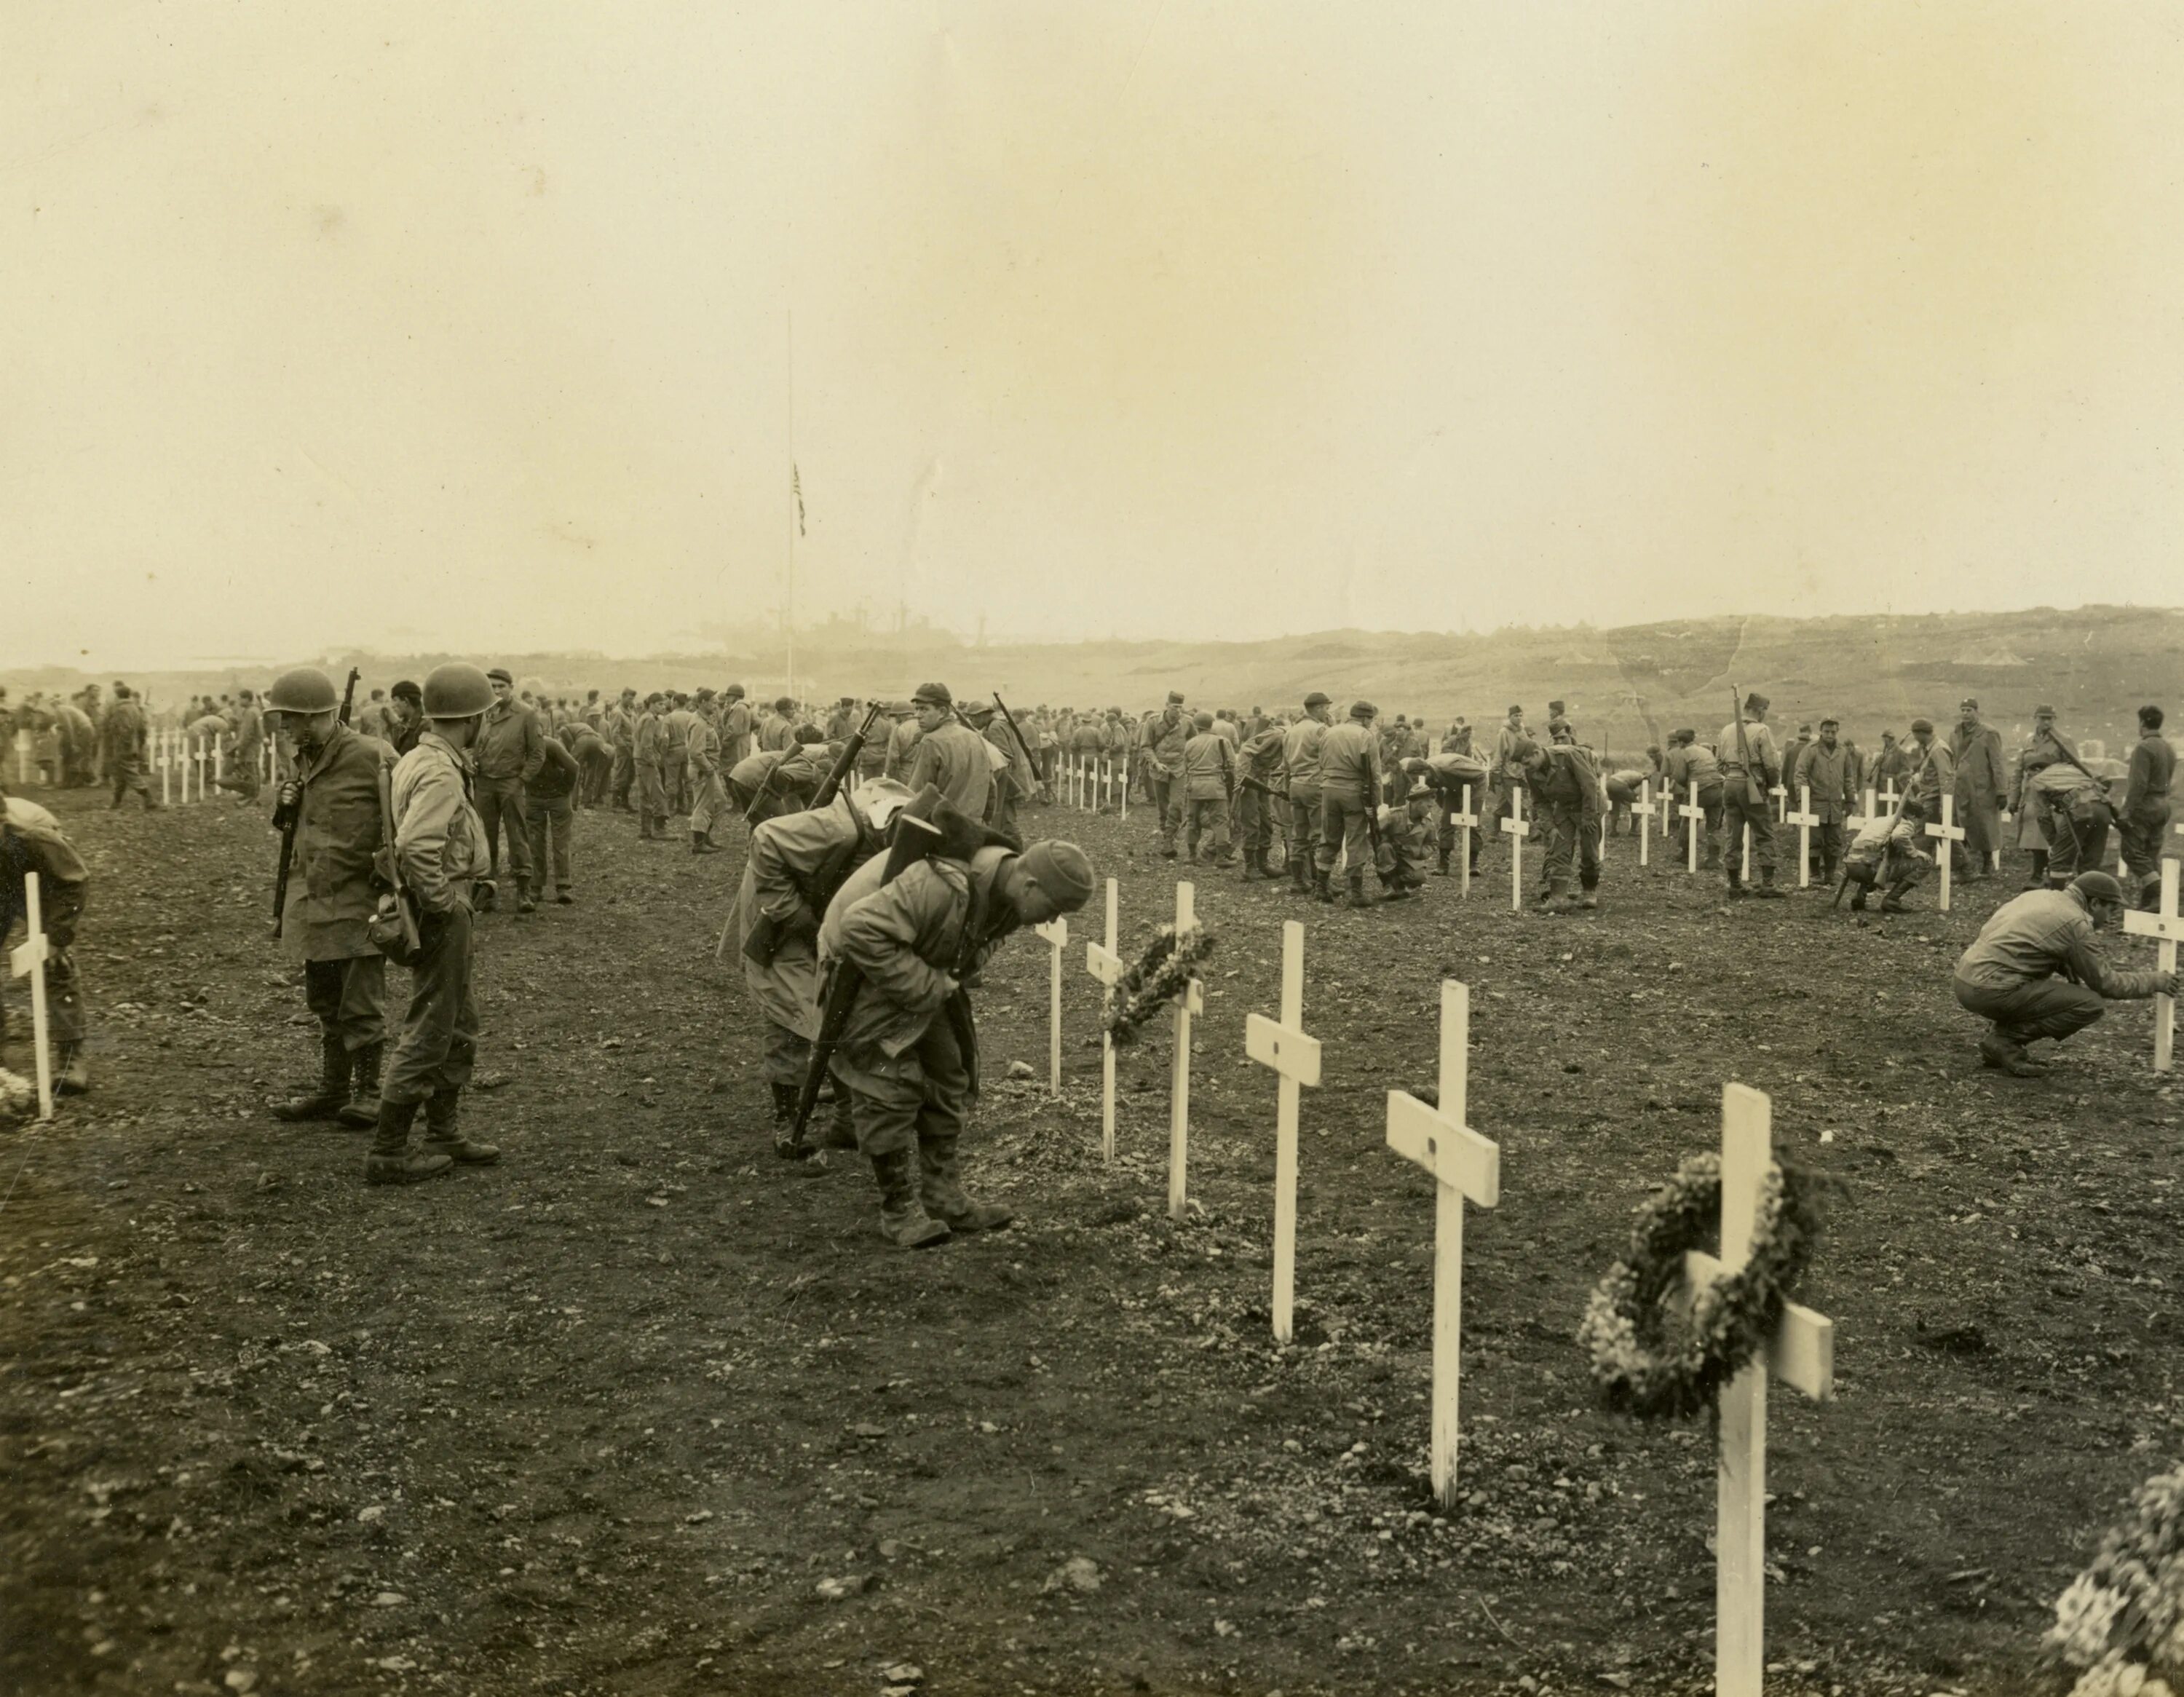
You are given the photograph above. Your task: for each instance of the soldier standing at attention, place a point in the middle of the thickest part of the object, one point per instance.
(1975, 750)
(1750, 766)
(333, 886)
(2144, 820)
(507, 755)
(126, 734)
(439, 841)
(618, 725)
(1828, 771)
(909, 1052)
(651, 753)
(1300, 757)
(701, 758)
(1166, 736)
(1349, 784)
(1209, 773)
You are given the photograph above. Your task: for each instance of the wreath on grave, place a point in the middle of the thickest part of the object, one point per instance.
(1170, 962)
(2122, 1622)
(1654, 1355)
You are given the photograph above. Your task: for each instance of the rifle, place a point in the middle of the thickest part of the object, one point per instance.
(1755, 786)
(289, 817)
(829, 787)
(1245, 782)
(1031, 760)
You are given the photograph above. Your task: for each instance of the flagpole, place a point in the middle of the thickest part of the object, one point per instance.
(788, 608)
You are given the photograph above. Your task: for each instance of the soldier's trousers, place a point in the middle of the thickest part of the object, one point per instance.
(625, 775)
(1001, 804)
(1208, 816)
(500, 801)
(2045, 1007)
(1344, 824)
(2144, 835)
(675, 775)
(2074, 845)
(548, 819)
(1738, 810)
(897, 1102)
(438, 1044)
(1304, 825)
(1828, 839)
(1167, 793)
(128, 775)
(348, 998)
(651, 789)
(709, 801)
(1571, 838)
(1255, 829)
(61, 905)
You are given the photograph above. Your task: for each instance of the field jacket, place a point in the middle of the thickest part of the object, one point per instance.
(2039, 934)
(797, 864)
(332, 887)
(439, 840)
(907, 939)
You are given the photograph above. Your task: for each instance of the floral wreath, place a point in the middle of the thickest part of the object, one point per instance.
(2122, 1620)
(1652, 1353)
(1170, 962)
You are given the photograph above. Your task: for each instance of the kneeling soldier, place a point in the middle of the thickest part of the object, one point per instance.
(908, 1051)
(439, 842)
(332, 888)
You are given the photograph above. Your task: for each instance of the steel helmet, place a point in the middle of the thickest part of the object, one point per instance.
(2099, 886)
(304, 690)
(456, 690)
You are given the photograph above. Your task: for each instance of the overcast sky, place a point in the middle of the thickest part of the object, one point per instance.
(470, 326)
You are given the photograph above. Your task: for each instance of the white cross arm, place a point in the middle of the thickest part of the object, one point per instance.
(1289, 1052)
(1104, 964)
(1454, 1154)
(1802, 1353)
(1055, 932)
(28, 955)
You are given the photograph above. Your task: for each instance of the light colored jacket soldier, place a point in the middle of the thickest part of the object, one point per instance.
(1349, 796)
(1981, 779)
(334, 883)
(950, 755)
(1301, 752)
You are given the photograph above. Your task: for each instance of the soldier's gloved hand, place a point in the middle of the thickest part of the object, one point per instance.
(2164, 983)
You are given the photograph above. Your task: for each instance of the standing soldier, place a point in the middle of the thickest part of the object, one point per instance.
(675, 753)
(618, 726)
(507, 755)
(2144, 820)
(908, 1053)
(333, 796)
(735, 728)
(949, 755)
(1166, 736)
(242, 777)
(1890, 766)
(1301, 751)
(549, 813)
(1349, 787)
(31, 841)
(1258, 791)
(1208, 775)
(1975, 750)
(1509, 776)
(651, 755)
(126, 735)
(701, 758)
(1828, 772)
(1013, 778)
(779, 731)
(439, 841)
(1933, 773)
(1750, 767)
(902, 744)
(2042, 751)
(797, 862)
(405, 717)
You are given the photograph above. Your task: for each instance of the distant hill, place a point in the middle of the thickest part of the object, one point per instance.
(1625, 688)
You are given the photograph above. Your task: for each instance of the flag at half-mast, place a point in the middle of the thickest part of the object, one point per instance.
(796, 488)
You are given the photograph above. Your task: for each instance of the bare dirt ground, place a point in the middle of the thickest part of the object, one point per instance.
(603, 1418)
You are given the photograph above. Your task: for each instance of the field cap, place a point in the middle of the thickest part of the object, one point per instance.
(1063, 870)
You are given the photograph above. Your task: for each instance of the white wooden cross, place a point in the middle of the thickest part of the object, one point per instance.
(1895, 806)
(159, 758)
(217, 760)
(1946, 833)
(1858, 821)
(1191, 1001)
(22, 758)
(1519, 828)
(1104, 965)
(1781, 794)
(1746, 874)
(28, 960)
(1692, 811)
(1642, 812)
(1119, 784)
(1465, 822)
(2166, 925)
(1295, 1058)
(198, 759)
(1056, 931)
(1463, 1164)
(1801, 1353)
(1804, 819)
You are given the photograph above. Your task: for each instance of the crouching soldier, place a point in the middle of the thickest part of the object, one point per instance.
(440, 846)
(1885, 854)
(797, 863)
(333, 797)
(30, 841)
(908, 1047)
(1406, 838)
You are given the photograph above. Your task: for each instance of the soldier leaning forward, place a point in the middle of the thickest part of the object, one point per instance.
(1565, 786)
(334, 799)
(31, 841)
(440, 846)
(908, 1052)
(797, 862)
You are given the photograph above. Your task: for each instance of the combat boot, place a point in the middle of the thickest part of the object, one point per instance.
(362, 1112)
(2036, 879)
(903, 1221)
(841, 1132)
(523, 901)
(1300, 874)
(392, 1160)
(940, 1187)
(1441, 869)
(1588, 898)
(784, 1108)
(1766, 890)
(1359, 899)
(2007, 1054)
(1893, 902)
(327, 1101)
(701, 843)
(443, 1134)
(1322, 886)
(71, 1074)
(1252, 870)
